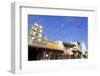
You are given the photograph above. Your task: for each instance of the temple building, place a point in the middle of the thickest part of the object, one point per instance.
(40, 48)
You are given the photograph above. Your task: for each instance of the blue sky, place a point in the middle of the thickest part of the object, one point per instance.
(65, 28)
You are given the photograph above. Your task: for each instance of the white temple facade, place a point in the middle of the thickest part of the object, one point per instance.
(83, 47)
